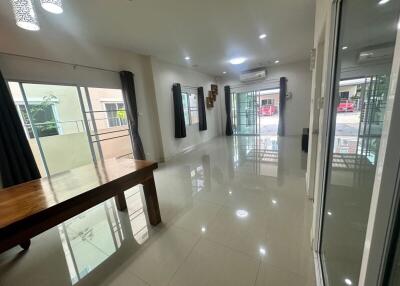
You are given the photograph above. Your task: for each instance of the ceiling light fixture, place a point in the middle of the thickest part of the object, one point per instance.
(274, 202)
(52, 6)
(242, 213)
(262, 36)
(348, 281)
(383, 2)
(237, 61)
(345, 48)
(187, 58)
(25, 16)
(224, 72)
(262, 251)
(277, 62)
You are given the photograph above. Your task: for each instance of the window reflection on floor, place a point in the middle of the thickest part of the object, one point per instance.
(93, 236)
(258, 154)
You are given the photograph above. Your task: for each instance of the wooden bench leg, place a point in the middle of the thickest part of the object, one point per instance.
(150, 195)
(120, 201)
(26, 244)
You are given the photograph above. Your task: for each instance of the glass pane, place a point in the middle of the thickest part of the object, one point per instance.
(268, 111)
(246, 118)
(23, 114)
(185, 103)
(108, 123)
(365, 52)
(57, 118)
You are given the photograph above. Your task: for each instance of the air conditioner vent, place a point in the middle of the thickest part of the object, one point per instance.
(253, 75)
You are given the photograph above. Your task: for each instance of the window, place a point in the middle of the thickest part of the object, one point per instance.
(116, 115)
(344, 95)
(268, 101)
(43, 115)
(190, 108)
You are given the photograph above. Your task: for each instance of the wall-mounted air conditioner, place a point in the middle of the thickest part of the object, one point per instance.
(253, 75)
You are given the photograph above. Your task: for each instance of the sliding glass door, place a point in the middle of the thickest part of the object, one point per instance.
(256, 112)
(69, 126)
(364, 56)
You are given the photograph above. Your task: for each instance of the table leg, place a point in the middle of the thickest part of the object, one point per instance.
(150, 195)
(120, 201)
(26, 244)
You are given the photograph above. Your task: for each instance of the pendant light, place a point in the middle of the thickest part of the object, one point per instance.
(52, 6)
(25, 16)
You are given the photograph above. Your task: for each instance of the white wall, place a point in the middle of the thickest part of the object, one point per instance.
(297, 111)
(164, 76)
(56, 45)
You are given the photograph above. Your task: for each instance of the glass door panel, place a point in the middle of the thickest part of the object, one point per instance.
(56, 116)
(109, 130)
(256, 112)
(245, 121)
(364, 57)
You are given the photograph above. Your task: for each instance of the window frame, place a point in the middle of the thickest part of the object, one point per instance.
(26, 127)
(120, 121)
(190, 109)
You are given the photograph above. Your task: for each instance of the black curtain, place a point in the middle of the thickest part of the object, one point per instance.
(17, 164)
(202, 109)
(128, 90)
(180, 127)
(282, 104)
(228, 107)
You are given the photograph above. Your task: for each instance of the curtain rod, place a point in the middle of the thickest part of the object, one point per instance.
(57, 62)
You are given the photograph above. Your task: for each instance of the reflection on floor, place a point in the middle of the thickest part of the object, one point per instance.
(234, 213)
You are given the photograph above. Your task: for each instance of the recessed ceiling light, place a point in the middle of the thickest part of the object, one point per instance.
(242, 213)
(187, 58)
(274, 202)
(348, 281)
(383, 2)
(262, 251)
(277, 62)
(224, 72)
(230, 192)
(237, 61)
(203, 229)
(345, 48)
(262, 36)
(329, 213)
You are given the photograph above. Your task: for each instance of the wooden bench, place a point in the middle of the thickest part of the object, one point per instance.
(29, 209)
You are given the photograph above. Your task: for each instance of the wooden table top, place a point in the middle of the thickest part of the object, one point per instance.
(21, 201)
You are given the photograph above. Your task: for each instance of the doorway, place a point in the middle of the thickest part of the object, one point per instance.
(256, 112)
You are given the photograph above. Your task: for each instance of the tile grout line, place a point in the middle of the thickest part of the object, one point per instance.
(258, 272)
(184, 260)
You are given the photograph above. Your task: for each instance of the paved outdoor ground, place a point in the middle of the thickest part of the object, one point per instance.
(346, 124)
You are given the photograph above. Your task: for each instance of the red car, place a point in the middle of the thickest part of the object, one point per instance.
(267, 110)
(345, 106)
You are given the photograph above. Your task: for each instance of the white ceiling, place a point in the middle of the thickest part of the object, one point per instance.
(209, 31)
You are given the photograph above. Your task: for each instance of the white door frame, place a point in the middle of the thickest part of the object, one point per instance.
(327, 96)
(386, 191)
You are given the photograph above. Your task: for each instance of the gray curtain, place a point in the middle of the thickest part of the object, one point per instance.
(17, 164)
(128, 90)
(282, 105)
(180, 127)
(202, 109)
(228, 107)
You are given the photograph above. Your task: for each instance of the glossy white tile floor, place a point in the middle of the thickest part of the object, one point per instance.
(234, 213)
